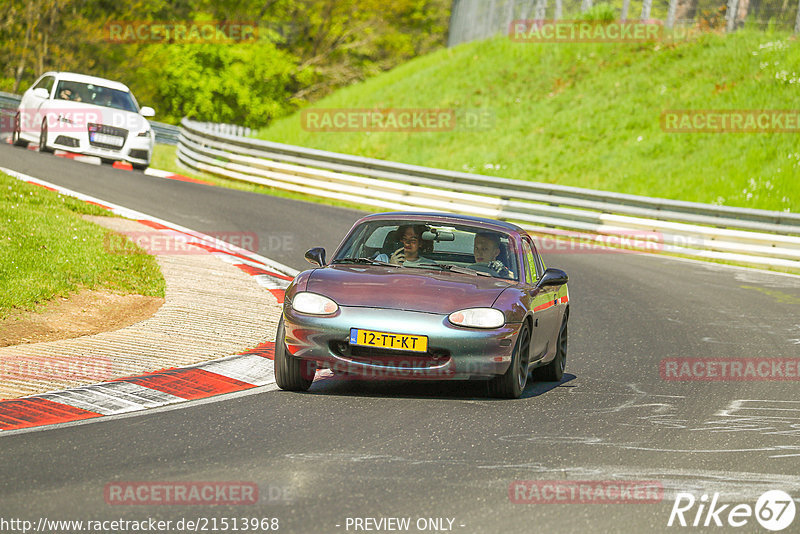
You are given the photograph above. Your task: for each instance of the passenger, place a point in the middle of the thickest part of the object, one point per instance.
(413, 246)
(105, 99)
(486, 250)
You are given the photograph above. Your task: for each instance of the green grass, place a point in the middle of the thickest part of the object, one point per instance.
(588, 115)
(47, 250)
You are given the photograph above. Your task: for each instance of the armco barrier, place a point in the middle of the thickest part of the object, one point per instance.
(701, 230)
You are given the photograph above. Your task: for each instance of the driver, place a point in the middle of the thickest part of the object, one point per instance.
(410, 253)
(67, 94)
(486, 250)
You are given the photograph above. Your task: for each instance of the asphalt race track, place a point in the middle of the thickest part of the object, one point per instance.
(443, 451)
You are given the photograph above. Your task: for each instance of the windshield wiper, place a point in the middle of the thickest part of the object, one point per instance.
(365, 261)
(452, 268)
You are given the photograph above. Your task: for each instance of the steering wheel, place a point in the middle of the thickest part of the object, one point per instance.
(482, 268)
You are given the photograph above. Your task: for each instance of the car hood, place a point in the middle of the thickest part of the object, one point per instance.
(407, 288)
(83, 113)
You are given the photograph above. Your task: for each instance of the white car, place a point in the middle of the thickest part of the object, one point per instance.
(86, 115)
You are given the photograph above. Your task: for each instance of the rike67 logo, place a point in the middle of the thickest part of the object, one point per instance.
(774, 510)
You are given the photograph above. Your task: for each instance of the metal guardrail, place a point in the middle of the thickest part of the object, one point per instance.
(9, 100)
(229, 129)
(701, 230)
(165, 133)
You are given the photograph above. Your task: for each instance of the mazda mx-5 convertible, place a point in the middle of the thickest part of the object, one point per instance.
(426, 296)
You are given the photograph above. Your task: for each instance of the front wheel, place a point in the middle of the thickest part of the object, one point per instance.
(16, 137)
(511, 384)
(554, 371)
(43, 138)
(291, 374)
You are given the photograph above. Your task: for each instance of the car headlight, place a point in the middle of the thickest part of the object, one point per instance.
(314, 304)
(478, 318)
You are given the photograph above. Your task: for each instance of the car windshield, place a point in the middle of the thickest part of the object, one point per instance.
(95, 94)
(419, 245)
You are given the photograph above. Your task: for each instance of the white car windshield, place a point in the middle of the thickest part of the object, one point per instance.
(95, 94)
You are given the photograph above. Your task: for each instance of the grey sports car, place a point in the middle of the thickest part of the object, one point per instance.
(426, 296)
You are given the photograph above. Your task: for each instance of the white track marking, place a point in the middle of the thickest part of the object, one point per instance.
(112, 398)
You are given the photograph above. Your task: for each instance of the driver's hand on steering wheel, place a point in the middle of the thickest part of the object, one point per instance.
(497, 266)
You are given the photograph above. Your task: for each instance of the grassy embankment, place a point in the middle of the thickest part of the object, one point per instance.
(588, 115)
(47, 250)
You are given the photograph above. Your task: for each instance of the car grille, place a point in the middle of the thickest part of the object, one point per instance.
(67, 141)
(104, 130)
(391, 358)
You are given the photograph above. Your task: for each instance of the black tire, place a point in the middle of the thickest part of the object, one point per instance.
(511, 384)
(43, 138)
(15, 133)
(554, 371)
(291, 374)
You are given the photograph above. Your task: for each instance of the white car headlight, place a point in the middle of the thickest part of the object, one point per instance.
(478, 318)
(314, 304)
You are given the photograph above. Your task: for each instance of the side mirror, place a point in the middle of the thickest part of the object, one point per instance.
(553, 277)
(147, 111)
(316, 256)
(42, 93)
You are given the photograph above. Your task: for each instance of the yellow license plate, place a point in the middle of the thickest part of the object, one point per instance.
(386, 340)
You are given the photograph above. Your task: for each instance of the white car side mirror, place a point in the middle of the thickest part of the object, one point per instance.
(147, 111)
(41, 92)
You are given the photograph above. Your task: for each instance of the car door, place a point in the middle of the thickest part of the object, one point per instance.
(543, 302)
(32, 108)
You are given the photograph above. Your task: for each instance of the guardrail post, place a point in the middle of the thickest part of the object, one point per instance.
(557, 14)
(625, 5)
(586, 5)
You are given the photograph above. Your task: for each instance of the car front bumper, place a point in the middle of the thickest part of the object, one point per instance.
(136, 149)
(453, 352)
